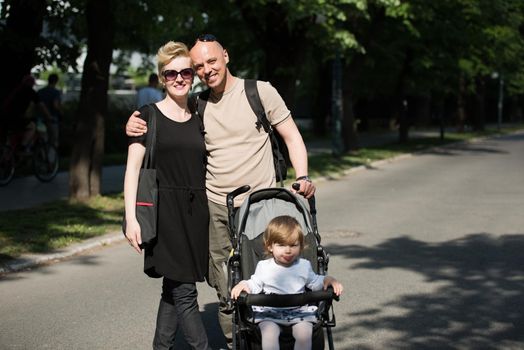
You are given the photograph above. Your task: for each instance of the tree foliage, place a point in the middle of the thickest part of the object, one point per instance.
(433, 57)
(20, 27)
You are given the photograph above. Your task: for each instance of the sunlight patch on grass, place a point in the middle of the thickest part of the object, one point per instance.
(57, 224)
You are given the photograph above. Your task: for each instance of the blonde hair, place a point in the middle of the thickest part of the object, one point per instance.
(168, 52)
(284, 230)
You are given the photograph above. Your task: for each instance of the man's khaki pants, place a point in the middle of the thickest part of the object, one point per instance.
(219, 249)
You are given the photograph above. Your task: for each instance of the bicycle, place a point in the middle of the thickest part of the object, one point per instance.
(43, 156)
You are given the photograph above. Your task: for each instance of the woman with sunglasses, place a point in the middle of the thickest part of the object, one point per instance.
(180, 253)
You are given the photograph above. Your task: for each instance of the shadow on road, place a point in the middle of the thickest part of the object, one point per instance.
(480, 304)
(214, 333)
(460, 149)
(485, 147)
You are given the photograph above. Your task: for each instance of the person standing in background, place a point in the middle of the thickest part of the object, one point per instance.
(150, 93)
(16, 111)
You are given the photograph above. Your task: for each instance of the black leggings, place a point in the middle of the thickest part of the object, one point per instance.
(179, 306)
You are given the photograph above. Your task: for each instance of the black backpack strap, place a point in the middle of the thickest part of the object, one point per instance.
(201, 102)
(253, 98)
(192, 103)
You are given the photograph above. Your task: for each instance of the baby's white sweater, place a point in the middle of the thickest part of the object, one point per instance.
(271, 277)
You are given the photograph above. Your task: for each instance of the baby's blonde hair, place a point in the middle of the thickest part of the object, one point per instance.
(168, 52)
(284, 230)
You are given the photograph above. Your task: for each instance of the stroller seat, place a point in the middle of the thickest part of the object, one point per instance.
(247, 225)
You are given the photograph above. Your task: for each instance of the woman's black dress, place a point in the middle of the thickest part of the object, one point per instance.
(181, 250)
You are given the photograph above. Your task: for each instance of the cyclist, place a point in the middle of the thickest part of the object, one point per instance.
(15, 109)
(51, 96)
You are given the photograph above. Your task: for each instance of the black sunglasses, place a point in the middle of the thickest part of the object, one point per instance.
(171, 74)
(207, 37)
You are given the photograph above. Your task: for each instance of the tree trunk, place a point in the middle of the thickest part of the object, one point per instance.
(88, 150)
(322, 106)
(401, 102)
(98, 156)
(422, 106)
(515, 110)
(403, 121)
(479, 115)
(438, 106)
(461, 104)
(349, 129)
(19, 38)
(352, 68)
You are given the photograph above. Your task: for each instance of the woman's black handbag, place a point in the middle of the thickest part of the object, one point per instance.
(147, 192)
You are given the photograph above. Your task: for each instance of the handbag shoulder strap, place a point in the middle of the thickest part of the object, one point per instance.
(149, 160)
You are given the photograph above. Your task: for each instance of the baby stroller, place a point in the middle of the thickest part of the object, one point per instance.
(247, 225)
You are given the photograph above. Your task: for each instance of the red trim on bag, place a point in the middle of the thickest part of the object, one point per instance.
(144, 204)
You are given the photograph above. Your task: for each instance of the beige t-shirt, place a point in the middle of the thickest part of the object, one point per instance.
(239, 154)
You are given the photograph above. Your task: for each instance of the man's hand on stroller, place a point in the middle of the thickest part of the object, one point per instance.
(331, 281)
(239, 288)
(304, 186)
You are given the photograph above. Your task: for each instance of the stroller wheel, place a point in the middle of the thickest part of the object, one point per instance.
(244, 344)
(241, 341)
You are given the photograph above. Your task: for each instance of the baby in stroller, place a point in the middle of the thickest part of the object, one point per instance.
(285, 273)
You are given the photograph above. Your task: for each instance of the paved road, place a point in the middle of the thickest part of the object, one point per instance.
(429, 249)
(28, 191)
(432, 249)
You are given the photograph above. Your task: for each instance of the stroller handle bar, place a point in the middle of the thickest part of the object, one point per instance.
(286, 300)
(312, 209)
(311, 201)
(230, 203)
(231, 196)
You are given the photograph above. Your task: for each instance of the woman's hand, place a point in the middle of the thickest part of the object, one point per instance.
(133, 234)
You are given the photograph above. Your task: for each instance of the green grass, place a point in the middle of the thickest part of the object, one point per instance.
(328, 166)
(55, 225)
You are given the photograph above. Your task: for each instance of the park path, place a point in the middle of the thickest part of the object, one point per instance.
(429, 248)
(27, 191)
